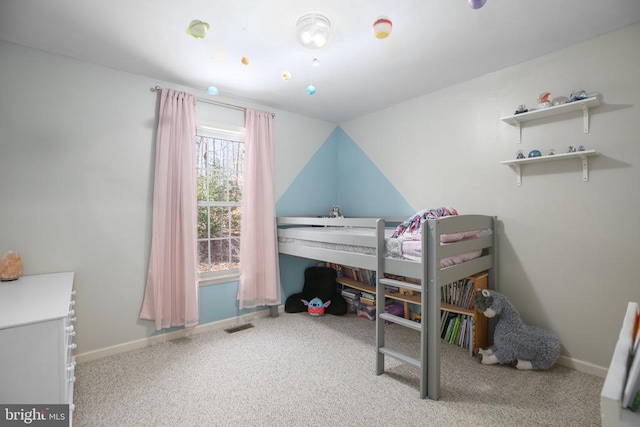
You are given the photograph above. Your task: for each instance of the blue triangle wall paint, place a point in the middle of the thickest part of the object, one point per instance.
(362, 189)
(313, 191)
(339, 173)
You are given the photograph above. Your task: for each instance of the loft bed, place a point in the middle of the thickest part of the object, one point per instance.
(448, 248)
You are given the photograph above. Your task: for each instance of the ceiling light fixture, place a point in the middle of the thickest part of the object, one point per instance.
(314, 30)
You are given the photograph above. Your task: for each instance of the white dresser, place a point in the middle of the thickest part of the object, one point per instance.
(36, 340)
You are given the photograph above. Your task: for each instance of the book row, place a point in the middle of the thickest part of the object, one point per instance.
(361, 275)
(457, 329)
(459, 293)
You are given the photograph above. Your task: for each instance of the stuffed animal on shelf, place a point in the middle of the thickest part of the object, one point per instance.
(523, 346)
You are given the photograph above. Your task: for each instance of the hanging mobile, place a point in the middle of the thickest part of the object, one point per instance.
(311, 89)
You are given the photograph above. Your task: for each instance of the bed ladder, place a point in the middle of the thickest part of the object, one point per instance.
(429, 359)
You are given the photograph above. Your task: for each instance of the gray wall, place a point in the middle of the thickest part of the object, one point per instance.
(76, 180)
(569, 250)
(76, 166)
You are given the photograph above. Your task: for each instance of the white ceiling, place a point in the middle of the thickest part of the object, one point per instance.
(434, 43)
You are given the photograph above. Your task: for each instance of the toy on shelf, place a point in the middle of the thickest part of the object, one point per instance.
(514, 342)
(572, 149)
(520, 155)
(559, 100)
(543, 100)
(335, 212)
(535, 153)
(521, 109)
(578, 95)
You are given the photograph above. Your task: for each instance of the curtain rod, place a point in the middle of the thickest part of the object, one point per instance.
(208, 101)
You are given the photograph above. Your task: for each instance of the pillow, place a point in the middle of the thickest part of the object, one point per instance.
(456, 237)
(444, 238)
(459, 259)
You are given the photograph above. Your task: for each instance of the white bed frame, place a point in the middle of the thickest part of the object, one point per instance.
(428, 271)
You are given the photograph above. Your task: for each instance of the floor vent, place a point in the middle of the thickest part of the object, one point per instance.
(238, 328)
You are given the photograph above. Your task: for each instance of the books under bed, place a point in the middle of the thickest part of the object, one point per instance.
(434, 251)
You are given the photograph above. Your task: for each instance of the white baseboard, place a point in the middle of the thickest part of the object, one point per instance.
(586, 367)
(182, 333)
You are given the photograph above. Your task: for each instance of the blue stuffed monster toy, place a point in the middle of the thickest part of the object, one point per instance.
(316, 307)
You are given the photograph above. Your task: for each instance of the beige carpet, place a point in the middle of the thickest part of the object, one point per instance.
(297, 370)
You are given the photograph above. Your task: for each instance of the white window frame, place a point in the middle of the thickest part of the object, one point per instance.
(231, 133)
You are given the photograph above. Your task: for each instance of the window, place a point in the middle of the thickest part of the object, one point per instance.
(219, 157)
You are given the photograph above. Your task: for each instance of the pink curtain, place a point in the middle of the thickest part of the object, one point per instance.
(259, 273)
(171, 295)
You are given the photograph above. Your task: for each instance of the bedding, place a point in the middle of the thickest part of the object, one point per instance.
(411, 228)
(413, 224)
(406, 247)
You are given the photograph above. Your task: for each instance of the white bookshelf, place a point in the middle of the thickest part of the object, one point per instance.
(611, 410)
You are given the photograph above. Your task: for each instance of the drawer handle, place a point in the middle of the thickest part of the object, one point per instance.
(72, 379)
(69, 328)
(73, 302)
(72, 333)
(73, 292)
(72, 312)
(73, 346)
(73, 319)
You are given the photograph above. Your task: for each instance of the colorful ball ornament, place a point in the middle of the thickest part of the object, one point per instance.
(311, 89)
(477, 4)
(212, 90)
(382, 27)
(198, 29)
(286, 76)
(244, 60)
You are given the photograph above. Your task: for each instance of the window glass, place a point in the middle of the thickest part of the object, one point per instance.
(219, 160)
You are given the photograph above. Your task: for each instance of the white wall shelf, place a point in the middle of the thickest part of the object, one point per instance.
(584, 105)
(517, 164)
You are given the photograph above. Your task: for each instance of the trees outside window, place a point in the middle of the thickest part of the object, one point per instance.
(219, 159)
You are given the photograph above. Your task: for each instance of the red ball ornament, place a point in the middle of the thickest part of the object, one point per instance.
(382, 27)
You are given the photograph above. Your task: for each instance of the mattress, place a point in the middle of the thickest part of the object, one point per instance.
(398, 248)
